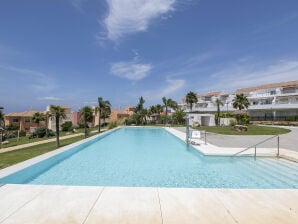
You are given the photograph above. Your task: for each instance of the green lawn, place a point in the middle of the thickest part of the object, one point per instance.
(251, 130)
(13, 157)
(25, 140)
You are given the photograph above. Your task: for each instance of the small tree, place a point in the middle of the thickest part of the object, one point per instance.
(191, 98)
(179, 116)
(86, 115)
(57, 113)
(241, 102)
(38, 117)
(102, 106)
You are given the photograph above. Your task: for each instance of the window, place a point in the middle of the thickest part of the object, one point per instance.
(15, 120)
(27, 120)
(273, 92)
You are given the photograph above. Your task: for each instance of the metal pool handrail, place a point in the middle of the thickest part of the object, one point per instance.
(255, 146)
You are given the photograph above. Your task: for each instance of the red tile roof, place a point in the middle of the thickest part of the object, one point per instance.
(267, 86)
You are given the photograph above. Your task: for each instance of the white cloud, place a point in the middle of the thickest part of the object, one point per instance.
(246, 75)
(50, 98)
(131, 16)
(131, 70)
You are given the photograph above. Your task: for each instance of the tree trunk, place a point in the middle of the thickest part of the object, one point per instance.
(85, 124)
(57, 132)
(218, 118)
(99, 122)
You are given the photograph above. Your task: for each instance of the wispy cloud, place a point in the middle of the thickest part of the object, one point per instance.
(171, 87)
(248, 74)
(131, 70)
(38, 81)
(78, 4)
(50, 98)
(127, 17)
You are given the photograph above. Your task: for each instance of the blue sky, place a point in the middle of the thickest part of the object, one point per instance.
(72, 51)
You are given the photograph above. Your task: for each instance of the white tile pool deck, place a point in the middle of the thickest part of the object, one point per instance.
(73, 204)
(81, 204)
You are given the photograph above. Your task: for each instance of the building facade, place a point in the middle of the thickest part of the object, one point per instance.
(22, 120)
(52, 122)
(277, 101)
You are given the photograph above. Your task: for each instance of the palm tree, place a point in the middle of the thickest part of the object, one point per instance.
(57, 113)
(140, 112)
(86, 115)
(191, 98)
(240, 102)
(218, 103)
(1, 116)
(179, 116)
(38, 117)
(102, 105)
(105, 114)
(169, 103)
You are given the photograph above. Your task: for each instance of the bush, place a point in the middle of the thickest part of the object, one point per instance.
(67, 126)
(42, 132)
(22, 133)
(11, 134)
(12, 127)
(233, 123)
(243, 119)
(112, 124)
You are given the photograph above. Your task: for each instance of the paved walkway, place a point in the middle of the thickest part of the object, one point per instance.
(287, 141)
(236, 146)
(13, 148)
(22, 204)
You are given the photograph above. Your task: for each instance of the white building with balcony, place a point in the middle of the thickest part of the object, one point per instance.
(52, 122)
(277, 101)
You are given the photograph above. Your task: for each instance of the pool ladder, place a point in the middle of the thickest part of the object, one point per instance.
(255, 146)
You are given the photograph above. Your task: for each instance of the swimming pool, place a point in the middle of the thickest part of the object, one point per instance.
(152, 157)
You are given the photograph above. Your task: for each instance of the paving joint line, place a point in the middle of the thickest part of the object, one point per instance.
(93, 205)
(223, 204)
(14, 212)
(160, 209)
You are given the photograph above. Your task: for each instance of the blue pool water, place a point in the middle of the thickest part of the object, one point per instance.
(152, 157)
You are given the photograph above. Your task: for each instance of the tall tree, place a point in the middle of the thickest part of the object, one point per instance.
(191, 98)
(86, 115)
(38, 117)
(218, 103)
(1, 116)
(102, 105)
(140, 111)
(240, 102)
(57, 113)
(169, 103)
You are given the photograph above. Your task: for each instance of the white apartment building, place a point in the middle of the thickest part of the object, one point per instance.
(277, 101)
(52, 122)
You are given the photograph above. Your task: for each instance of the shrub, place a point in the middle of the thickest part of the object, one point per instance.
(67, 126)
(243, 119)
(42, 132)
(22, 133)
(12, 127)
(233, 123)
(112, 124)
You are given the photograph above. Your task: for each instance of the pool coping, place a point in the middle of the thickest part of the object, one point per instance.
(22, 165)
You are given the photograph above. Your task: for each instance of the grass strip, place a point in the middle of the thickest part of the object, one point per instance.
(13, 157)
(251, 130)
